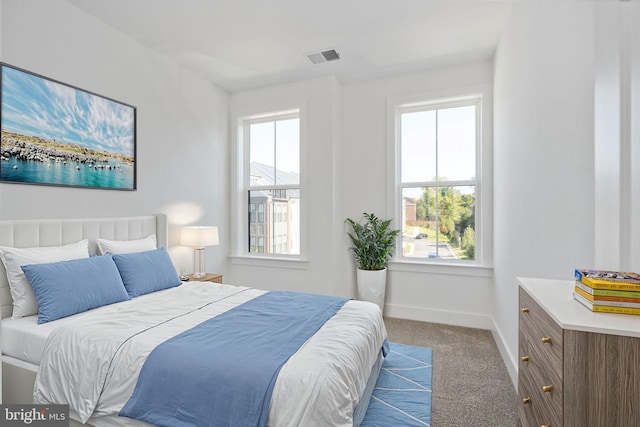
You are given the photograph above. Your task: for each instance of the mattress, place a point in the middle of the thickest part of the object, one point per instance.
(24, 339)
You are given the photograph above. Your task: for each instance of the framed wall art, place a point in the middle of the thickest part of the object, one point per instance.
(57, 134)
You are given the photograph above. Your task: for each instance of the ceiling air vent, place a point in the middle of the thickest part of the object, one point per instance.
(324, 56)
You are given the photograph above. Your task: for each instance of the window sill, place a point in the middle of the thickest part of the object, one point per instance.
(441, 268)
(266, 261)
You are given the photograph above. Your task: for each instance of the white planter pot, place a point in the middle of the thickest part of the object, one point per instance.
(372, 285)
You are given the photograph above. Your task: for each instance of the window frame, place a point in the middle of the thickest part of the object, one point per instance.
(240, 250)
(480, 96)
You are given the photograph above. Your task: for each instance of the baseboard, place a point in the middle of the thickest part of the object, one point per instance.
(438, 316)
(509, 360)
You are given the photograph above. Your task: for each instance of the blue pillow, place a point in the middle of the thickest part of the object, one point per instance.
(145, 272)
(69, 287)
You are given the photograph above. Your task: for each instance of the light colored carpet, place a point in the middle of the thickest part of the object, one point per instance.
(471, 386)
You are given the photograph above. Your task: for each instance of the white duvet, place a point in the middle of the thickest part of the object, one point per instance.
(93, 362)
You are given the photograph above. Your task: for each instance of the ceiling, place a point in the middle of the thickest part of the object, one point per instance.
(245, 44)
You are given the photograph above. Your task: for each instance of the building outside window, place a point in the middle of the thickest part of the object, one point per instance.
(438, 189)
(272, 165)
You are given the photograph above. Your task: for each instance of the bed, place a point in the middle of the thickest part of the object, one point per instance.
(328, 380)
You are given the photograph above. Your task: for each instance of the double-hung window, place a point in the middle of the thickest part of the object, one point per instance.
(438, 192)
(272, 183)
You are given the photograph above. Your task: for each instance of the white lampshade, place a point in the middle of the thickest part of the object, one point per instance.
(199, 237)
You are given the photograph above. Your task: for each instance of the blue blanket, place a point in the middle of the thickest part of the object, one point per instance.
(222, 372)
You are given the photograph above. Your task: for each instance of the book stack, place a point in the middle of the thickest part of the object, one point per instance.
(608, 291)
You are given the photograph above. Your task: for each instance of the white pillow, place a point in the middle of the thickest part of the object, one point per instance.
(24, 299)
(127, 246)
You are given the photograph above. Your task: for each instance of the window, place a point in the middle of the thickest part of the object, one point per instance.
(260, 212)
(252, 212)
(438, 147)
(272, 183)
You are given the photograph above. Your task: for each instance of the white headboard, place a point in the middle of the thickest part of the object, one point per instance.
(56, 232)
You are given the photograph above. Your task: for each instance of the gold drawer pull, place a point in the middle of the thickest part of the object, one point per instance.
(526, 400)
(546, 340)
(547, 388)
(525, 358)
(525, 309)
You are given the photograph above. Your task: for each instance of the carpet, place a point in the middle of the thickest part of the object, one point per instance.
(402, 395)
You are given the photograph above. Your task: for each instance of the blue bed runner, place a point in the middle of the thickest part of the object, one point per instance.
(222, 371)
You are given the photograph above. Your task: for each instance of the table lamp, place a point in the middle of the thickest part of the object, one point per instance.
(199, 237)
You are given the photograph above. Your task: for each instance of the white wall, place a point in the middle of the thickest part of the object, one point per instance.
(543, 152)
(182, 123)
(347, 159)
(635, 139)
(436, 294)
(617, 136)
(613, 135)
(318, 100)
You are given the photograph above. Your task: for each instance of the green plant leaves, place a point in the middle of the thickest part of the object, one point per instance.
(373, 241)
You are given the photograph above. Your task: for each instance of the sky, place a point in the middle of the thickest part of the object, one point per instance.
(34, 106)
(456, 144)
(276, 143)
(452, 143)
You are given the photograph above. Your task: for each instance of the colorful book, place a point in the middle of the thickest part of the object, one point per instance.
(615, 280)
(615, 302)
(604, 308)
(607, 292)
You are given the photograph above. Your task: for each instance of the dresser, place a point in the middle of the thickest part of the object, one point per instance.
(576, 368)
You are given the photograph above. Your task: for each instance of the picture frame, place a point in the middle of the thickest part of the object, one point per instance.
(57, 134)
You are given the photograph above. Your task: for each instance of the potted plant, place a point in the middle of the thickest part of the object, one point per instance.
(373, 241)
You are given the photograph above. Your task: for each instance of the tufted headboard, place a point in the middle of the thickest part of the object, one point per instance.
(56, 232)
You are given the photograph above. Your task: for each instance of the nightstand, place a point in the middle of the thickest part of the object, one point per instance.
(210, 277)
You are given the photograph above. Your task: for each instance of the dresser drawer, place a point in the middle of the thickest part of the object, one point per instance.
(543, 407)
(547, 395)
(525, 400)
(541, 365)
(539, 334)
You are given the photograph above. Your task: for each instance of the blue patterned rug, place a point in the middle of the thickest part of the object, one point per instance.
(402, 396)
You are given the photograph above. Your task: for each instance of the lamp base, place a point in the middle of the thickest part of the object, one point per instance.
(198, 263)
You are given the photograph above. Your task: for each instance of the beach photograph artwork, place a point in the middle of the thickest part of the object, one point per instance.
(56, 134)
